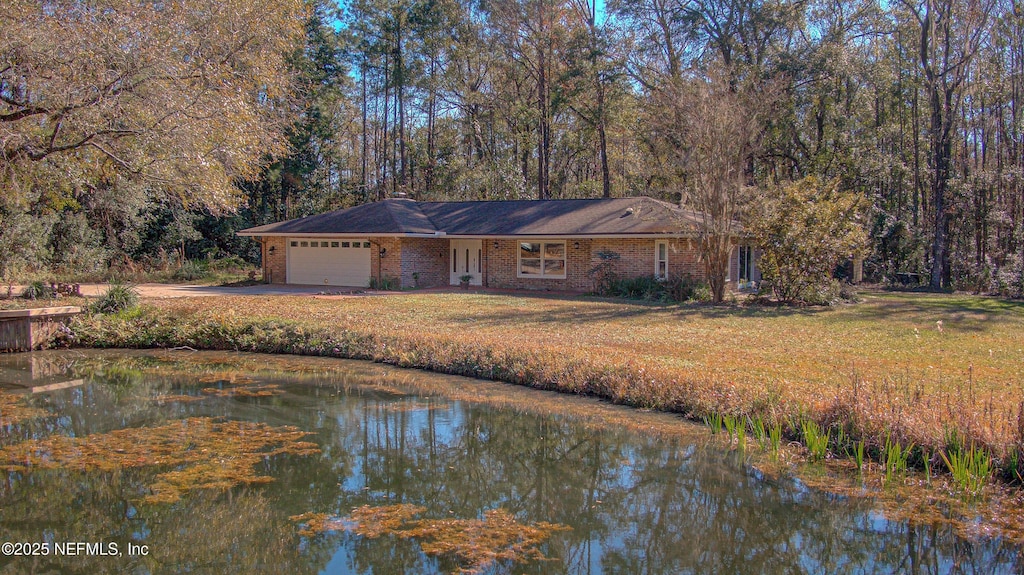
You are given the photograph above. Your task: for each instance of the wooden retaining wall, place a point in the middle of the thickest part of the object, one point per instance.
(28, 329)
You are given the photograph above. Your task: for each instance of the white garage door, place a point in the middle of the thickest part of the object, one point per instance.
(332, 261)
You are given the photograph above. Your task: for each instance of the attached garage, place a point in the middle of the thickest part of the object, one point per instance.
(330, 261)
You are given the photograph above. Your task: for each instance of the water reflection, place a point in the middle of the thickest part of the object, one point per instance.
(638, 503)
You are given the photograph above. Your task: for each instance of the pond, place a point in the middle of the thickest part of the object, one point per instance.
(171, 462)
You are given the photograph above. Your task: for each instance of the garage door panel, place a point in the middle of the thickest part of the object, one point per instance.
(334, 261)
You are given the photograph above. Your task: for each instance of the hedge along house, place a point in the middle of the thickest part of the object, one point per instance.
(520, 244)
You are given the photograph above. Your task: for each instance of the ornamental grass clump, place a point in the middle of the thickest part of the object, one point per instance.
(118, 297)
(37, 290)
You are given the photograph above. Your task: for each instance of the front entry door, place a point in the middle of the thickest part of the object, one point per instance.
(466, 256)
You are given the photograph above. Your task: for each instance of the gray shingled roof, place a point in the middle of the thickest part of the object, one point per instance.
(616, 216)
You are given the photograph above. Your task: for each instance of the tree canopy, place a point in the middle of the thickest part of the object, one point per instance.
(186, 95)
(110, 113)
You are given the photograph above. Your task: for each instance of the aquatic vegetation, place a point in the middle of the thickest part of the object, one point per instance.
(894, 458)
(815, 440)
(731, 423)
(757, 427)
(714, 421)
(858, 455)
(741, 436)
(196, 453)
(970, 468)
(244, 391)
(14, 410)
(476, 544)
(775, 439)
(178, 398)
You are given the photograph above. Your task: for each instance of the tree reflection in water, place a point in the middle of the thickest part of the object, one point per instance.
(637, 503)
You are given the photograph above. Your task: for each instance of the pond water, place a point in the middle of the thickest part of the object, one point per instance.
(168, 462)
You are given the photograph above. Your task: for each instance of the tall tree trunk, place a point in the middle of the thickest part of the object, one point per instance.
(362, 172)
(403, 161)
(543, 124)
(428, 177)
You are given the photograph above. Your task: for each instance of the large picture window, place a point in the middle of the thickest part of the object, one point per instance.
(542, 260)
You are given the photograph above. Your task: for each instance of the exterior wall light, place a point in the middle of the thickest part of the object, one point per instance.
(383, 251)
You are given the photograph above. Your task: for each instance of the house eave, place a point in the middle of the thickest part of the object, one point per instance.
(442, 235)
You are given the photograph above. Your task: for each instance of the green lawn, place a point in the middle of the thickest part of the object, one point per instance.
(882, 367)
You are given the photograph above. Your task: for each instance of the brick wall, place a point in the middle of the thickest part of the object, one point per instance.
(430, 258)
(427, 257)
(636, 258)
(390, 264)
(275, 268)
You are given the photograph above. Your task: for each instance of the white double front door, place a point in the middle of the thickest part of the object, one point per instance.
(466, 260)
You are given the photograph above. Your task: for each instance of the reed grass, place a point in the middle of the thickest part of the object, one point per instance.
(970, 468)
(815, 440)
(894, 458)
(775, 439)
(731, 423)
(858, 455)
(757, 428)
(714, 422)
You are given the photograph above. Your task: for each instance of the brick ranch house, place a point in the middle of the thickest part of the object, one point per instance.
(519, 244)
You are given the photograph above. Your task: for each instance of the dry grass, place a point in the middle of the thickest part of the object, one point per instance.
(917, 367)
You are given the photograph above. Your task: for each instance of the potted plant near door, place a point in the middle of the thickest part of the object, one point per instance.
(464, 281)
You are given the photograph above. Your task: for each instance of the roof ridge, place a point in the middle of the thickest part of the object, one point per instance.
(391, 214)
(410, 204)
(534, 200)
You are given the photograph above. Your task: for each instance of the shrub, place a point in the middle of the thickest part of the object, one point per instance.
(603, 274)
(384, 283)
(651, 288)
(804, 232)
(191, 270)
(228, 263)
(118, 297)
(37, 290)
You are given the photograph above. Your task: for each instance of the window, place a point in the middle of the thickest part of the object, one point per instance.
(304, 244)
(334, 244)
(324, 245)
(295, 244)
(661, 260)
(314, 244)
(542, 259)
(344, 244)
(746, 264)
(366, 244)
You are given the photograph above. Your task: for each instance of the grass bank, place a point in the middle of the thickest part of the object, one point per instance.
(934, 374)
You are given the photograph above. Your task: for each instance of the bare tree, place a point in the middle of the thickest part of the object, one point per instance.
(951, 35)
(715, 129)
